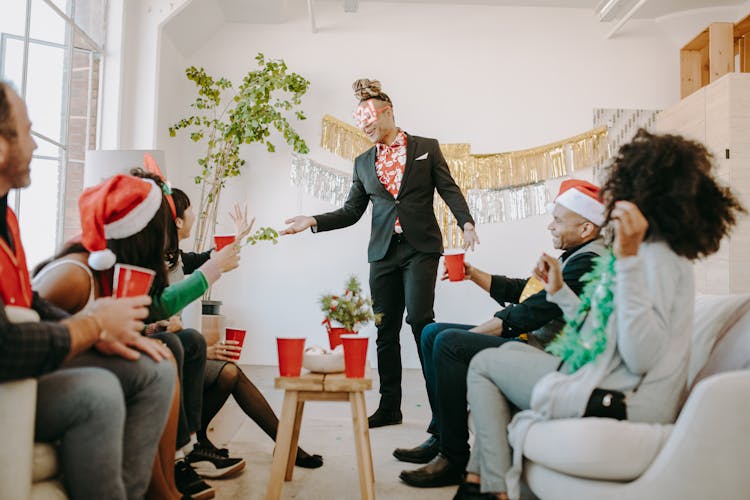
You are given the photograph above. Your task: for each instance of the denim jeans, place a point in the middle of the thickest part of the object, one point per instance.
(447, 349)
(145, 390)
(84, 409)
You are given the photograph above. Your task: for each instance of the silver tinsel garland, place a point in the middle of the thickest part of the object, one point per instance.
(488, 206)
(322, 182)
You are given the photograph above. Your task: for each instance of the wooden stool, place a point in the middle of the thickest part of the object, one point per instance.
(320, 387)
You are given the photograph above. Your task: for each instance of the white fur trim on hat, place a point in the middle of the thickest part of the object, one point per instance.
(101, 260)
(135, 220)
(583, 205)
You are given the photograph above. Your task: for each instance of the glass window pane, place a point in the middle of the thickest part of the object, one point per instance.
(38, 214)
(12, 69)
(89, 16)
(46, 24)
(13, 19)
(44, 90)
(46, 148)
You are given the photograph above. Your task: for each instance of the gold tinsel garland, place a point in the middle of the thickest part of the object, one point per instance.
(496, 171)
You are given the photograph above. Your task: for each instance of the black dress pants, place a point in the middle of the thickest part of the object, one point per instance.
(403, 279)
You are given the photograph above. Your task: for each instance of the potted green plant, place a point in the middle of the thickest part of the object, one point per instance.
(224, 118)
(346, 312)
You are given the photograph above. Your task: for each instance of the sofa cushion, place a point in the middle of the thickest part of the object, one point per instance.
(596, 448)
(48, 490)
(45, 462)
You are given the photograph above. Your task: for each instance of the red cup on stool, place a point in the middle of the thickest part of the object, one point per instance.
(454, 263)
(355, 355)
(132, 281)
(222, 240)
(239, 336)
(290, 355)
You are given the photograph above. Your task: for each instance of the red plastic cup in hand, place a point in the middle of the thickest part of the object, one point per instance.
(454, 263)
(132, 281)
(355, 355)
(239, 336)
(290, 356)
(222, 240)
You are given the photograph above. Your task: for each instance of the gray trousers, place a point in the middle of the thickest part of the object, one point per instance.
(108, 414)
(497, 379)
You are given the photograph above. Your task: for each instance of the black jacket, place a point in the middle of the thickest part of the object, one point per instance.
(413, 205)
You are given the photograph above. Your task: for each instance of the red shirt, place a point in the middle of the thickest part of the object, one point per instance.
(389, 166)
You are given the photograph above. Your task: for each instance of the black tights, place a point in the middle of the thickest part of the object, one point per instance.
(232, 381)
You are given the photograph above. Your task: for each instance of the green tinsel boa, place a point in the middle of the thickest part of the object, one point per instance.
(578, 348)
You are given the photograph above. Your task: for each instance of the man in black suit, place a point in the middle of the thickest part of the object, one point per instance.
(399, 175)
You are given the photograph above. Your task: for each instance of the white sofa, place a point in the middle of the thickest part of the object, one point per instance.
(704, 455)
(28, 470)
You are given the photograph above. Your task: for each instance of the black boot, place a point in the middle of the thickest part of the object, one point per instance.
(382, 417)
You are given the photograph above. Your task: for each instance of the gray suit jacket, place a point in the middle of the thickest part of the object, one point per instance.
(413, 205)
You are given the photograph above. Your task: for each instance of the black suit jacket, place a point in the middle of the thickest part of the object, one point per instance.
(413, 205)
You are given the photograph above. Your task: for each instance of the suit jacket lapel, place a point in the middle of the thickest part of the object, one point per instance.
(370, 162)
(411, 148)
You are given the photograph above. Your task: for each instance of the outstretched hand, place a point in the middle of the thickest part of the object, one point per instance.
(242, 228)
(298, 224)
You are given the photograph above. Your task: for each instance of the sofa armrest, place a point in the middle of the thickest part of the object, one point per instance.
(708, 442)
(17, 413)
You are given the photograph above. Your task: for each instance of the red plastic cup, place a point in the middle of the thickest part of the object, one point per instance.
(132, 281)
(239, 336)
(334, 335)
(454, 262)
(290, 356)
(355, 355)
(222, 240)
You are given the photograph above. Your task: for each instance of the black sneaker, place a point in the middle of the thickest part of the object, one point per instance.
(210, 462)
(189, 482)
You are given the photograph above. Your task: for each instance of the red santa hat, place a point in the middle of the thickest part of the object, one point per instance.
(115, 209)
(583, 198)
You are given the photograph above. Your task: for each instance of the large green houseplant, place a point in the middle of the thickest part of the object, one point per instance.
(224, 118)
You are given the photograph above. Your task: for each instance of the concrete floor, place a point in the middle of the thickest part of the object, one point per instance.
(326, 430)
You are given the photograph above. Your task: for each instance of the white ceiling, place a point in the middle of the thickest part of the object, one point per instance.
(197, 20)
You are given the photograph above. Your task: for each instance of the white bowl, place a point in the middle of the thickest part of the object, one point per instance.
(319, 360)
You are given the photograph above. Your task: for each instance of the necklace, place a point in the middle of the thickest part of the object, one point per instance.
(576, 347)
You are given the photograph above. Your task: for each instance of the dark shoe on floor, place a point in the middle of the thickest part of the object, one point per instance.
(439, 472)
(209, 462)
(189, 482)
(421, 454)
(471, 491)
(382, 417)
(307, 461)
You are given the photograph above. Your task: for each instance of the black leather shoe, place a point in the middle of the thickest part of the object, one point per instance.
(421, 454)
(381, 418)
(470, 491)
(439, 472)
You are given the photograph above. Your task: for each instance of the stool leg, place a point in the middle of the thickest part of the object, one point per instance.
(362, 442)
(295, 439)
(283, 441)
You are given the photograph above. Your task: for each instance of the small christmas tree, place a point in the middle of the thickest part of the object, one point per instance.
(351, 309)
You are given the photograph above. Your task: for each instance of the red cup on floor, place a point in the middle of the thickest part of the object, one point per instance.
(239, 336)
(132, 281)
(222, 240)
(454, 263)
(355, 355)
(290, 355)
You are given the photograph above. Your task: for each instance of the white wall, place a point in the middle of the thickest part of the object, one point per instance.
(499, 78)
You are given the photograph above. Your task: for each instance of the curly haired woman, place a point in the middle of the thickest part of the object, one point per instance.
(624, 351)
